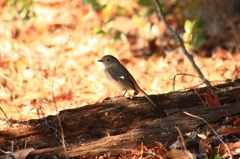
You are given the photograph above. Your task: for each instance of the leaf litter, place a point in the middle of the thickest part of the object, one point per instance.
(29, 51)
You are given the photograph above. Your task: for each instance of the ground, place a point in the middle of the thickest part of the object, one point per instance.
(56, 53)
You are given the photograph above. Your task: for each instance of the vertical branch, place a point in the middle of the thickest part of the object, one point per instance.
(53, 95)
(176, 35)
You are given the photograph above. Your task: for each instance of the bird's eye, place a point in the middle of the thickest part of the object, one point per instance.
(108, 59)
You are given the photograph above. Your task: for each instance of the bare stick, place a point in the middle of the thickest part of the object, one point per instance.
(175, 34)
(194, 116)
(174, 78)
(183, 143)
(53, 96)
(4, 113)
(200, 97)
(237, 45)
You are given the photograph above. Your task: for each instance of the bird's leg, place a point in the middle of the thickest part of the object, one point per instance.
(124, 95)
(116, 95)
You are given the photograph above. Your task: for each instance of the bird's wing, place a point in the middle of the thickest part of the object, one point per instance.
(113, 73)
(121, 76)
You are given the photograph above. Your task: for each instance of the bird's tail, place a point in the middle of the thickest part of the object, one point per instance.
(145, 94)
(137, 88)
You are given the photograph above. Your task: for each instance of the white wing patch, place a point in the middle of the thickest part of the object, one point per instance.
(122, 77)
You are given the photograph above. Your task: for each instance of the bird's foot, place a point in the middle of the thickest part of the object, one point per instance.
(135, 93)
(125, 99)
(107, 99)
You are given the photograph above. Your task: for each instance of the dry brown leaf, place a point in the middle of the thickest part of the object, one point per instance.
(212, 98)
(223, 148)
(228, 131)
(142, 148)
(234, 148)
(236, 144)
(179, 154)
(204, 142)
(236, 122)
(159, 150)
(22, 154)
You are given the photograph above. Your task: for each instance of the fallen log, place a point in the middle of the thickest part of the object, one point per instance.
(110, 127)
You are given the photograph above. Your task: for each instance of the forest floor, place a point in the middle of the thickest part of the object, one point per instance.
(56, 53)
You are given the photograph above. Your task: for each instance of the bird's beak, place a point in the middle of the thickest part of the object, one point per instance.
(99, 60)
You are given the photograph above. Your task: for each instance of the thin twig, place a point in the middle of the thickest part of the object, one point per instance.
(174, 78)
(53, 95)
(183, 142)
(199, 97)
(45, 119)
(175, 34)
(4, 113)
(237, 44)
(194, 116)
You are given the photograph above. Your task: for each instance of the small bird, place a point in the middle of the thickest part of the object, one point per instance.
(119, 77)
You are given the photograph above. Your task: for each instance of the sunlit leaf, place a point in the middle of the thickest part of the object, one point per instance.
(151, 26)
(143, 11)
(110, 19)
(117, 36)
(107, 10)
(187, 37)
(22, 9)
(188, 46)
(101, 32)
(110, 30)
(94, 3)
(189, 25)
(138, 21)
(149, 12)
(145, 2)
(97, 28)
(217, 157)
(104, 6)
(122, 10)
(88, 1)
(96, 6)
